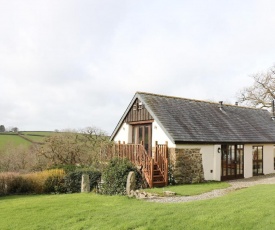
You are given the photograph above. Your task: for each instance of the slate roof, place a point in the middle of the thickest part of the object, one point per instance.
(194, 121)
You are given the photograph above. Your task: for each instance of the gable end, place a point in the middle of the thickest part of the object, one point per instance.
(138, 113)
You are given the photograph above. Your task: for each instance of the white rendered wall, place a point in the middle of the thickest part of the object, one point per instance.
(248, 167)
(159, 135)
(124, 134)
(268, 160)
(217, 163)
(211, 172)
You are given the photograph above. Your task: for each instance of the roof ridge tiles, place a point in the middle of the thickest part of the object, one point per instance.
(196, 100)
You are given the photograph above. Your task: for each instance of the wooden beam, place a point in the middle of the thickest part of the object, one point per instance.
(140, 122)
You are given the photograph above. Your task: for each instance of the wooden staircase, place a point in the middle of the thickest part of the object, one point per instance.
(155, 169)
(158, 178)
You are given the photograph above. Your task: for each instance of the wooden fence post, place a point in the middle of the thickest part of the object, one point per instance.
(156, 151)
(166, 149)
(118, 154)
(152, 173)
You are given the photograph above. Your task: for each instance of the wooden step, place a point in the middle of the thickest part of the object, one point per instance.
(156, 172)
(157, 177)
(158, 184)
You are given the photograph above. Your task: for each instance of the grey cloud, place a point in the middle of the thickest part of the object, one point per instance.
(72, 64)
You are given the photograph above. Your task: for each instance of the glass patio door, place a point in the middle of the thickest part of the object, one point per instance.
(232, 162)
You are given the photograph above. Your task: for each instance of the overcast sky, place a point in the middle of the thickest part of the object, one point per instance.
(76, 63)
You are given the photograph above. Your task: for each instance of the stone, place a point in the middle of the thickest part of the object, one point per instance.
(142, 195)
(187, 166)
(132, 194)
(85, 183)
(169, 193)
(131, 182)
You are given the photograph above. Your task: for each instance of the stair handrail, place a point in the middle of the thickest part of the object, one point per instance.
(161, 158)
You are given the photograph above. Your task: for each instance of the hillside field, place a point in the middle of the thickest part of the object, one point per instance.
(25, 138)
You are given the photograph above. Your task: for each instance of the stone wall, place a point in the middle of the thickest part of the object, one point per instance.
(186, 165)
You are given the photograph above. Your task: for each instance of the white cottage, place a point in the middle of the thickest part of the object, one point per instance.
(210, 141)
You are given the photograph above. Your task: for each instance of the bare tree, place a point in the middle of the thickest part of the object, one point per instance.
(262, 92)
(18, 158)
(71, 147)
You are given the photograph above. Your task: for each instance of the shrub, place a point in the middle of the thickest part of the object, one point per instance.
(20, 186)
(14, 183)
(73, 180)
(66, 168)
(115, 176)
(55, 184)
(46, 181)
(6, 180)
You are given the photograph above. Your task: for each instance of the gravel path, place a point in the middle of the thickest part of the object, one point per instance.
(235, 185)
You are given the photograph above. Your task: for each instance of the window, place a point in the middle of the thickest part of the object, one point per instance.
(257, 160)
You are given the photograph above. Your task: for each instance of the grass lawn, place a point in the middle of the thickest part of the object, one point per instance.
(189, 189)
(250, 208)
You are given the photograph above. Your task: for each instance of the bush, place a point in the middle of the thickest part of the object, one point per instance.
(115, 177)
(14, 183)
(66, 168)
(46, 181)
(6, 181)
(54, 184)
(73, 180)
(20, 186)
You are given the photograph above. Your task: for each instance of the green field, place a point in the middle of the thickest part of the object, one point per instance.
(12, 139)
(250, 208)
(36, 136)
(16, 140)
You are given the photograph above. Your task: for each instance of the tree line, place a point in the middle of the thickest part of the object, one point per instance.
(10, 129)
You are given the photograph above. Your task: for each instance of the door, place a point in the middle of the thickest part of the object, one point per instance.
(232, 162)
(143, 134)
(257, 160)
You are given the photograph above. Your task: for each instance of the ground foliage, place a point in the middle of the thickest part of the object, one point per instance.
(54, 181)
(115, 176)
(73, 179)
